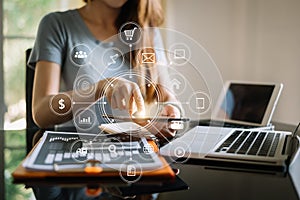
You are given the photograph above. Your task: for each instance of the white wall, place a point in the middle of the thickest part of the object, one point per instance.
(257, 40)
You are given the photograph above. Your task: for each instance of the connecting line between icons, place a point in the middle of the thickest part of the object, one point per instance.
(130, 60)
(89, 103)
(185, 102)
(99, 72)
(130, 141)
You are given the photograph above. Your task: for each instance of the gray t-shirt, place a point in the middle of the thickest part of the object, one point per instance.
(64, 38)
(60, 36)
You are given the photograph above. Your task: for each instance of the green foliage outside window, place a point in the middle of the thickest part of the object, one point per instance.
(20, 23)
(14, 153)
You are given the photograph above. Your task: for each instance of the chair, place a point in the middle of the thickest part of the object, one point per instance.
(31, 127)
(29, 85)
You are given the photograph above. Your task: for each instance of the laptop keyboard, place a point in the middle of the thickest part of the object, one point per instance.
(259, 143)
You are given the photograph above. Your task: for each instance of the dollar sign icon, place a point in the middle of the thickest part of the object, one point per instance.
(61, 104)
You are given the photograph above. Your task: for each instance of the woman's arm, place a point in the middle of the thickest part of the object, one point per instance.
(46, 85)
(122, 94)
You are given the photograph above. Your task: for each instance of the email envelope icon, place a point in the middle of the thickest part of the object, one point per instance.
(148, 58)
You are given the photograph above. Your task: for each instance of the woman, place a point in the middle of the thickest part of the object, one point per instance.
(97, 21)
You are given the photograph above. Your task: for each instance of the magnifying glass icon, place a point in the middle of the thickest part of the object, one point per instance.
(112, 148)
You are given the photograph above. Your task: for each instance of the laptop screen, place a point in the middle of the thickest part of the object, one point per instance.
(246, 102)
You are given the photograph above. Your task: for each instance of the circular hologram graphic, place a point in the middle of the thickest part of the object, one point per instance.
(80, 151)
(85, 119)
(130, 33)
(199, 102)
(113, 58)
(179, 54)
(148, 150)
(111, 150)
(146, 56)
(179, 152)
(178, 83)
(79, 54)
(151, 109)
(193, 78)
(84, 86)
(130, 171)
(61, 104)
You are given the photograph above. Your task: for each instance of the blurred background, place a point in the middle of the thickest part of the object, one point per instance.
(256, 40)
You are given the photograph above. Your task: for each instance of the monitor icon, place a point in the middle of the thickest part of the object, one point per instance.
(179, 53)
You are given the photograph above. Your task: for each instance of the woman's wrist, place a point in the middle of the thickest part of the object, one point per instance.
(174, 104)
(100, 87)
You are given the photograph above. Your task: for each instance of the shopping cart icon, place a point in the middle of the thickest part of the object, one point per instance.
(129, 33)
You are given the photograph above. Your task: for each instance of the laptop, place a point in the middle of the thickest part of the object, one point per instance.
(247, 148)
(244, 104)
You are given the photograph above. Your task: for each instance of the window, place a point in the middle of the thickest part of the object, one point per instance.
(20, 23)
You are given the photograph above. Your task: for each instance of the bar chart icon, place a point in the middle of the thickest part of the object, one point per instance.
(85, 120)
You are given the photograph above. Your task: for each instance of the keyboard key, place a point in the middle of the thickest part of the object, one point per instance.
(67, 155)
(229, 140)
(274, 145)
(238, 142)
(90, 156)
(113, 155)
(267, 144)
(49, 159)
(247, 143)
(106, 157)
(135, 152)
(75, 155)
(98, 156)
(255, 147)
(58, 157)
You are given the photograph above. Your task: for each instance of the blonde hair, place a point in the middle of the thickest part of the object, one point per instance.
(145, 13)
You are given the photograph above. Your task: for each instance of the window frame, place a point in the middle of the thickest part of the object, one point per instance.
(2, 105)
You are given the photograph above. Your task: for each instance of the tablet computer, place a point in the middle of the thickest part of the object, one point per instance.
(247, 103)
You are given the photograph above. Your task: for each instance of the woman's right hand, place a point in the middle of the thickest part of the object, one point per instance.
(123, 94)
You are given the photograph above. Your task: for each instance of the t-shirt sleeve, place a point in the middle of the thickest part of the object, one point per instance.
(49, 43)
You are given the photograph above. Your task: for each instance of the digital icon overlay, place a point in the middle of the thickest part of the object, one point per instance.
(147, 56)
(179, 54)
(79, 54)
(84, 86)
(113, 58)
(85, 119)
(199, 102)
(60, 104)
(130, 33)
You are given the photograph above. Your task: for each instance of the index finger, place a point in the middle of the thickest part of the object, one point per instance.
(139, 100)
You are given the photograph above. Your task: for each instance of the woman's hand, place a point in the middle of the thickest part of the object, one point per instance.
(123, 94)
(170, 111)
(161, 129)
